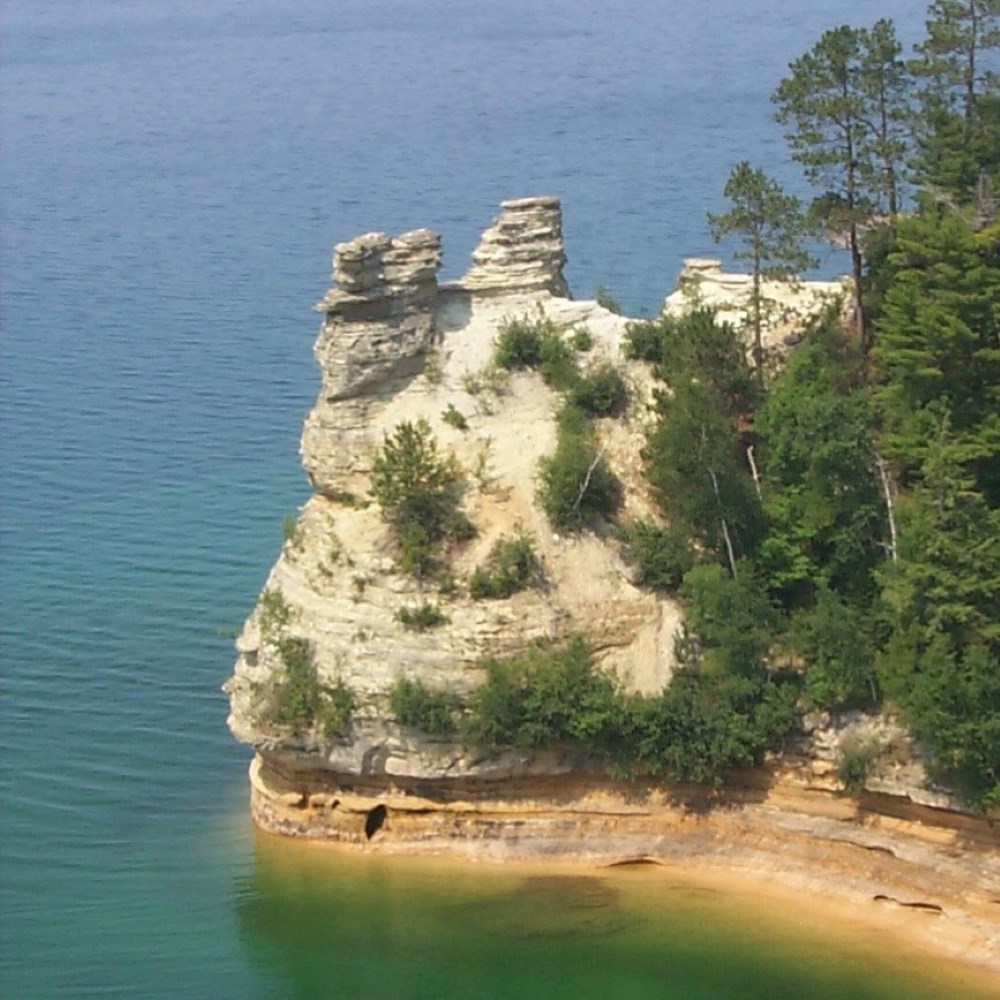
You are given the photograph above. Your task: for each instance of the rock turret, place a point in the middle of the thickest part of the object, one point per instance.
(379, 322)
(789, 304)
(386, 311)
(522, 251)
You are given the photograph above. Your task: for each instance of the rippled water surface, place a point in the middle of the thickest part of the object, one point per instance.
(174, 176)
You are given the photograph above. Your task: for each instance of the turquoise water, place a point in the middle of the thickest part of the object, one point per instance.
(174, 177)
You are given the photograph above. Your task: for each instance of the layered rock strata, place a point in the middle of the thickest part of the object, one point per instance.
(522, 250)
(378, 324)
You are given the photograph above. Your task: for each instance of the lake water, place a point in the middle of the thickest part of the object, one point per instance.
(174, 176)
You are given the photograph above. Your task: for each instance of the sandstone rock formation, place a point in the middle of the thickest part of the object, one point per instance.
(522, 250)
(789, 304)
(378, 325)
(395, 346)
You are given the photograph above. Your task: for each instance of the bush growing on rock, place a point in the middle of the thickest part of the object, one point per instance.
(536, 343)
(601, 392)
(663, 555)
(453, 416)
(511, 566)
(704, 725)
(298, 700)
(547, 697)
(854, 766)
(519, 342)
(417, 706)
(422, 618)
(420, 494)
(273, 614)
(576, 489)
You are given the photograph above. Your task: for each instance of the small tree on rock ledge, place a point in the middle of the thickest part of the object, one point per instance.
(771, 227)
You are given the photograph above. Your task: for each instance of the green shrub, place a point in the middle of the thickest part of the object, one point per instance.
(298, 700)
(416, 706)
(420, 619)
(581, 339)
(854, 766)
(519, 342)
(536, 343)
(601, 392)
(420, 494)
(703, 726)
(433, 369)
(575, 487)
(455, 418)
(273, 614)
(644, 341)
(663, 555)
(549, 696)
(290, 532)
(734, 618)
(557, 365)
(511, 566)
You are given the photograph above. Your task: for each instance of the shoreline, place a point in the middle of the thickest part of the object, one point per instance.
(933, 886)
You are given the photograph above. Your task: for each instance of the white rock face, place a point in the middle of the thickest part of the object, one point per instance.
(789, 304)
(395, 347)
(522, 251)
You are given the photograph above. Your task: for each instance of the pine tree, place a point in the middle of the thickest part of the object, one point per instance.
(954, 60)
(771, 228)
(844, 102)
(943, 660)
(958, 65)
(938, 349)
(826, 517)
(885, 83)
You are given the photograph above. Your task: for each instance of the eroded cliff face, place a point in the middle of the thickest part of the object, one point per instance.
(396, 346)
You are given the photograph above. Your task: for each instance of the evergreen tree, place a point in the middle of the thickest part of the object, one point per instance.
(943, 661)
(826, 517)
(938, 352)
(947, 580)
(771, 227)
(958, 65)
(836, 641)
(955, 59)
(844, 101)
(885, 84)
(696, 453)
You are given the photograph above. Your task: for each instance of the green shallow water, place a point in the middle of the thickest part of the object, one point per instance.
(328, 924)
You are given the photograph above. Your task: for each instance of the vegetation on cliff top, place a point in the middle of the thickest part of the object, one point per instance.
(859, 492)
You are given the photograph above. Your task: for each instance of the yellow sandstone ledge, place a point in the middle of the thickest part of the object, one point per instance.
(931, 874)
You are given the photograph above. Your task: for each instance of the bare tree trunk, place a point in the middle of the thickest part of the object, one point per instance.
(753, 471)
(725, 527)
(890, 508)
(586, 482)
(856, 278)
